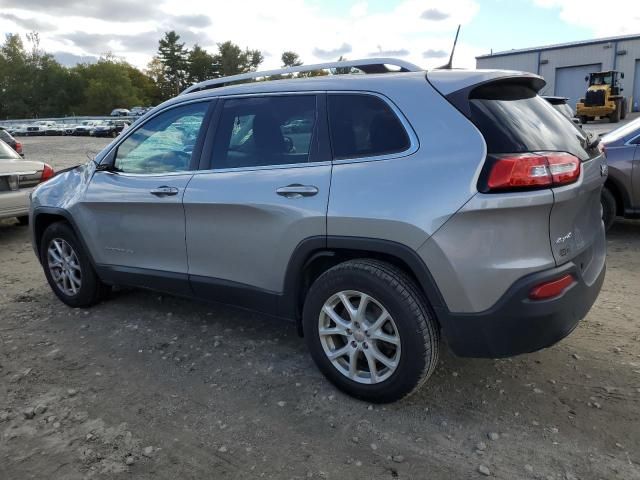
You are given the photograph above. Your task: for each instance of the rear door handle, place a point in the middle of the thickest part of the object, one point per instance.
(164, 191)
(297, 191)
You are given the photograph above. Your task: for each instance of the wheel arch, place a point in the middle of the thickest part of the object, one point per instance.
(43, 217)
(619, 194)
(313, 256)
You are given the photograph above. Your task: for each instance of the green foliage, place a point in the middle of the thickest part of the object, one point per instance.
(174, 58)
(232, 60)
(291, 59)
(202, 65)
(33, 84)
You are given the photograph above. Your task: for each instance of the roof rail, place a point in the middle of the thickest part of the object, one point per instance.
(367, 65)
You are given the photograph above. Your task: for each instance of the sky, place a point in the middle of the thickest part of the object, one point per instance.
(419, 31)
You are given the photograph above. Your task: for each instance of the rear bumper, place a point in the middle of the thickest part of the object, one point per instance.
(518, 325)
(14, 203)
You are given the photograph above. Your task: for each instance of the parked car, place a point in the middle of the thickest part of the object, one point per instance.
(85, 127)
(621, 193)
(17, 130)
(17, 179)
(7, 138)
(561, 104)
(416, 206)
(69, 128)
(111, 128)
(120, 112)
(38, 128)
(137, 111)
(56, 129)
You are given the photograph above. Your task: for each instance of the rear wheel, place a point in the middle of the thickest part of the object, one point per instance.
(68, 269)
(584, 119)
(608, 202)
(370, 331)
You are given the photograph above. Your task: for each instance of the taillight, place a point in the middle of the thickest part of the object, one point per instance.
(47, 173)
(19, 147)
(530, 171)
(551, 289)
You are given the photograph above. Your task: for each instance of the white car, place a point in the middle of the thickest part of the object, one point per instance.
(17, 178)
(39, 128)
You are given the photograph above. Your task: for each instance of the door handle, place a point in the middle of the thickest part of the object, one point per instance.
(164, 191)
(297, 191)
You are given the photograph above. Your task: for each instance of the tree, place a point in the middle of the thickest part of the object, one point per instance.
(232, 60)
(202, 65)
(291, 59)
(13, 73)
(174, 58)
(107, 85)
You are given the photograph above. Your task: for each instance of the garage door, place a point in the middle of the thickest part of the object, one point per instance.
(570, 81)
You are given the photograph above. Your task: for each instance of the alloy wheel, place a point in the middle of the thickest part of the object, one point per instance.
(359, 337)
(64, 267)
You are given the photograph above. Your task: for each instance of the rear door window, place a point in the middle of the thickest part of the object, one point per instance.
(514, 119)
(265, 131)
(364, 125)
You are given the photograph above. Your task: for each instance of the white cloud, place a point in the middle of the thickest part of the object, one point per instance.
(604, 19)
(306, 27)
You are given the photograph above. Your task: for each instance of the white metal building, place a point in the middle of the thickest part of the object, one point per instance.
(564, 66)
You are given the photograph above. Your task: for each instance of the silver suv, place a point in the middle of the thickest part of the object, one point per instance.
(382, 211)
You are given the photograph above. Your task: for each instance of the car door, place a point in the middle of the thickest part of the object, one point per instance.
(266, 190)
(132, 208)
(635, 174)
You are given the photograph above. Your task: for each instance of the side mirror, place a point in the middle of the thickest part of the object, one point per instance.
(586, 79)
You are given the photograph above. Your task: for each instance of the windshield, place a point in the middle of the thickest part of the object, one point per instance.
(601, 79)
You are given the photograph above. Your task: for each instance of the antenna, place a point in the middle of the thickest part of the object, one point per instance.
(449, 64)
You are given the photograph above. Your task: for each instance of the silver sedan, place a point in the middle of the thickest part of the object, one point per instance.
(17, 178)
(621, 193)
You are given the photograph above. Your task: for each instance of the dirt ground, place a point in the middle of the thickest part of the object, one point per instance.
(151, 387)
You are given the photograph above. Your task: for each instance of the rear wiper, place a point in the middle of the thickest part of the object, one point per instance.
(592, 140)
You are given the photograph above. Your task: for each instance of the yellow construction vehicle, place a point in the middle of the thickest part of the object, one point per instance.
(603, 98)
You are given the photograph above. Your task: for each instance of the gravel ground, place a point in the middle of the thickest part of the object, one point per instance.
(148, 386)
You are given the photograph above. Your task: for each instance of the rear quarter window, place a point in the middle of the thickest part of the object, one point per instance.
(363, 125)
(514, 119)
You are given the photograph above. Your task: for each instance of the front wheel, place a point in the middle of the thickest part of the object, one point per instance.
(370, 331)
(68, 269)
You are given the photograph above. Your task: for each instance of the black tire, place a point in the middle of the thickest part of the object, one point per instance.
(623, 109)
(416, 326)
(23, 221)
(92, 290)
(584, 119)
(614, 117)
(608, 202)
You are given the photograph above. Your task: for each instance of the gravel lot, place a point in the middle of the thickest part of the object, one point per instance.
(147, 386)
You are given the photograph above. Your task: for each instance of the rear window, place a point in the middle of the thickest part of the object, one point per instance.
(514, 119)
(364, 126)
